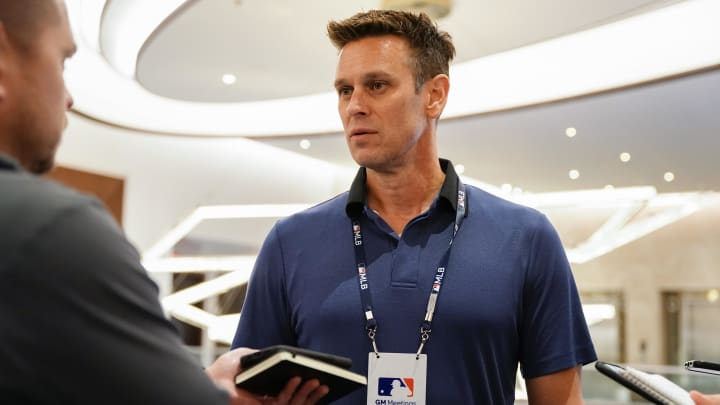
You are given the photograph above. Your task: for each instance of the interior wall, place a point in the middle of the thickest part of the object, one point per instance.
(681, 257)
(167, 177)
(109, 190)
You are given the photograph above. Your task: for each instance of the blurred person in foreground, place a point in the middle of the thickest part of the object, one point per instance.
(416, 277)
(81, 321)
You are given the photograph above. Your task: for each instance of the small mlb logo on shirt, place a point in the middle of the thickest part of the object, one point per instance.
(396, 387)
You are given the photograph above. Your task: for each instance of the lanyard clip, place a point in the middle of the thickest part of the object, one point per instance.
(424, 337)
(372, 330)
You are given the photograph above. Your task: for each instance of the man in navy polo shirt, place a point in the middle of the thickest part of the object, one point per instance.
(434, 288)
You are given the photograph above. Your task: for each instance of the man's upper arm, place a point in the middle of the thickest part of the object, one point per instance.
(265, 318)
(97, 321)
(554, 334)
(561, 388)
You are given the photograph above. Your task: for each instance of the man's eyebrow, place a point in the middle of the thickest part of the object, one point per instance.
(366, 77)
(376, 75)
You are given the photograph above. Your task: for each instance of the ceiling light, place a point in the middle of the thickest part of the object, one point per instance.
(573, 174)
(625, 157)
(305, 144)
(460, 169)
(669, 176)
(614, 233)
(200, 214)
(506, 188)
(197, 264)
(229, 78)
(570, 132)
(609, 187)
(712, 295)
(434, 8)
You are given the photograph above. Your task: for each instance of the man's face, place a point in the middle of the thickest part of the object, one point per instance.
(382, 114)
(37, 100)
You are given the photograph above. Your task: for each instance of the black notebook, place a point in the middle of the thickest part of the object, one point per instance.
(267, 371)
(653, 387)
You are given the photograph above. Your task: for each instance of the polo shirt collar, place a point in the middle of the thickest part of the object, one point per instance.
(357, 196)
(8, 163)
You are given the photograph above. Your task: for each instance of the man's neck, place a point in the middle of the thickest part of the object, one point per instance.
(401, 195)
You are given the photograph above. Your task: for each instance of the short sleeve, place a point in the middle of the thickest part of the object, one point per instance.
(265, 318)
(554, 334)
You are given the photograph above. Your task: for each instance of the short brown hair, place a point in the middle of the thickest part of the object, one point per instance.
(24, 19)
(432, 49)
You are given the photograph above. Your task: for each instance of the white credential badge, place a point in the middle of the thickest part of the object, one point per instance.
(396, 379)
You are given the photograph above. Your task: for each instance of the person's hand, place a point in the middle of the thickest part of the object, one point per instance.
(227, 366)
(701, 399)
(308, 393)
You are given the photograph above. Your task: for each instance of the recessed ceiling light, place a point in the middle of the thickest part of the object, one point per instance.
(570, 132)
(712, 295)
(625, 157)
(506, 188)
(573, 174)
(229, 78)
(460, 169)
(669, 176)
(305, 144)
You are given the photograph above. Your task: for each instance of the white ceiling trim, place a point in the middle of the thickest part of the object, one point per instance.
(617, 231)
(664, 42)
(126, 25)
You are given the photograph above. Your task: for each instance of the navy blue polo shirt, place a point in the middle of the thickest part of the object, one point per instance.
(508, 295)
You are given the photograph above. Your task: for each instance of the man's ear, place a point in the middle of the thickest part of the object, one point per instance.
(437, 88)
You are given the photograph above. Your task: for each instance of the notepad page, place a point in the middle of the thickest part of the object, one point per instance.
(674, 394)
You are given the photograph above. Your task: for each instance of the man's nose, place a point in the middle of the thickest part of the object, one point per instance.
(357, 103)
(68, 99)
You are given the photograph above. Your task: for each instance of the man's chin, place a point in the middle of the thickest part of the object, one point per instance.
(41, 167)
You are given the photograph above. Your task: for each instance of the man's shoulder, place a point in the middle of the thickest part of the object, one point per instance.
(485, 202)
(29, 204)
(29, 193)
(326, 211)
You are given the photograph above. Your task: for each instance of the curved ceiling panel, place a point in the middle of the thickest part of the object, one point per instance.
(663, 42)
(280, 49)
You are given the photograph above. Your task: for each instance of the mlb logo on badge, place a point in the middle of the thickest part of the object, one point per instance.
(396, 387)
(396, 378)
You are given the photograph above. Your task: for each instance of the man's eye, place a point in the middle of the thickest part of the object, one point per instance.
(343, 91)
(377, 85)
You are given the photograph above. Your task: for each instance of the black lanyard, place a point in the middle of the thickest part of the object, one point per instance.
(425, 328)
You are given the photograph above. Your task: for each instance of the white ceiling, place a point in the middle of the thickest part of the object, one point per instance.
(279, 49)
